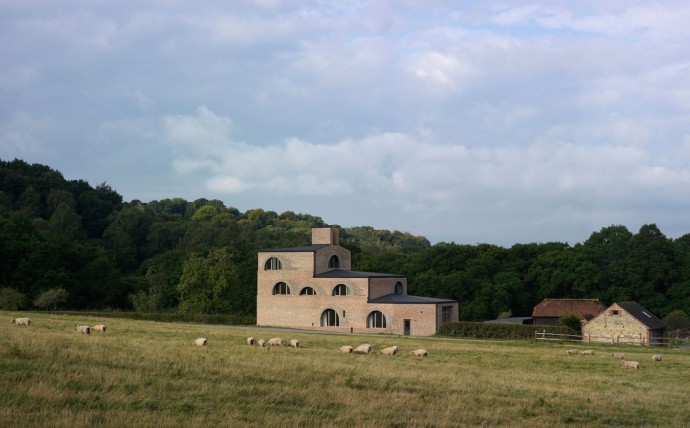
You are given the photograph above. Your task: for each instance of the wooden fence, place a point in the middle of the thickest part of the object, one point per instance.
(619, 340)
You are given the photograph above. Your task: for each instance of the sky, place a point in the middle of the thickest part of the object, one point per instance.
(469, 122)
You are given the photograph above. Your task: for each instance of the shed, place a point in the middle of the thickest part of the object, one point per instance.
(626, 322)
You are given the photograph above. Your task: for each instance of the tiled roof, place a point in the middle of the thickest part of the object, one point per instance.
(342, 273)
(403, 298)
(584, 308)
(643, 315)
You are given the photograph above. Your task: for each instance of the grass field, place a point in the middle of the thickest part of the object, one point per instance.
(141, 373)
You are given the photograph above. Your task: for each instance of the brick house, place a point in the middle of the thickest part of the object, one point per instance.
(314, 287)
(625, 322)
(549, 311)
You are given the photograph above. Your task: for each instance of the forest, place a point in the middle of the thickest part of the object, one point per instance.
(65, 244)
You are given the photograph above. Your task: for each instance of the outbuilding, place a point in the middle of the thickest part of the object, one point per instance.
(626, 322)
(549, 311)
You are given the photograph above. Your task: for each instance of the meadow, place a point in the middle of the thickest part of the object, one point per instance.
(143, 373)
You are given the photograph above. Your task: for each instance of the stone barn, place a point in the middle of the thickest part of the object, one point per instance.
(625, 322)
(549, 311)
(314, 287)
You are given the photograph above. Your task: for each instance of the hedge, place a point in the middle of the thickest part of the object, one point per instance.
(231, 319)
(478, 330)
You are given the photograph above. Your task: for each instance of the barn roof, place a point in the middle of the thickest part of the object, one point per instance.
(554, 308)
(643, 315)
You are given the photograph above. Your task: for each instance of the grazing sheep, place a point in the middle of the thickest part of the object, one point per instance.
(631, 364)
(261, 343)
(98, 327)
(419, 353)
(83, 329)
(391, 350)
(201, 342)
(294, 343)
(346, 349)
(588, 352)
(618, 355)
(363, 349)
(21, 321)
(573, 352)
(251, 341)
(656, 357)
(276, 341)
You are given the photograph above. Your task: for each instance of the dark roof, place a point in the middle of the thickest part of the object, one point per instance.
(511, 320)
(554, 308)
(643, 315)
(305, 249)
(341, 273)
(403, 298)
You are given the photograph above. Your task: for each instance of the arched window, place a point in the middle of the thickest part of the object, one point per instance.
(273, 264)
(341, 290)
(376, 320)
(329, 318)
(281, 288)
(334, 262)
(398, 288)
(307, 291)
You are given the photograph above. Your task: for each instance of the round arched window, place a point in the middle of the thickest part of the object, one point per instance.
(273, 264)
(376, 320)
(334, 262)
(307, 291)
(281, 288)
(341, 290)
(329, 318)
(398, 288)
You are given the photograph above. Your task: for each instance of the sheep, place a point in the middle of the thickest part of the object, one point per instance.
(363, 349)
(261, 343)
(251, 341)
(587, 352)
(346, 349)
(294, 343)
(656, 357)
(631, 364)
(420, 353)
(84, 329)
(391, 350)
(573, 352)
(21, 321)
(98, 327)
(618, 355)
(276, 341)
(201, 342)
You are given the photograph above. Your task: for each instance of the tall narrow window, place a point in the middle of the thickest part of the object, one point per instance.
(398, 288)
(281, 288)
(307, 291)
(341, 290)
(446, 314)
(329, 318)
(334, 262)
(273, 264)
(376, 320)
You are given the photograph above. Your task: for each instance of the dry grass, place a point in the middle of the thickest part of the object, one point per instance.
(142, 373)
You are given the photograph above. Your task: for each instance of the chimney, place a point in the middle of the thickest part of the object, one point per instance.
(325, 235)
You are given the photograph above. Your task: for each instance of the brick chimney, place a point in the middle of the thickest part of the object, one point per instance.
(325, 235)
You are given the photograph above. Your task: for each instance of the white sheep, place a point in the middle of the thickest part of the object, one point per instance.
(420, 353)
(21, 321)
(201, 342)
(98, 327)
(294, 343)
(276, 341)
(656, 357)
(391, 350)
(251, 341)
(346, 349)
(587, 352)
(573, 352)
(83, 329)
(364, 349)
(261, 343)
(631, 365)
(618, 355)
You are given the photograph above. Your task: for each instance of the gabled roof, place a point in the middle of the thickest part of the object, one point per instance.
(304, 249)
(403, 298)
(341, 273)
(643, 315)
(554, 308)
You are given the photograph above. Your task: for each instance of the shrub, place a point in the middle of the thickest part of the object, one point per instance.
(51, 299)
(572, 322)
(677, 320)
(478, 330)
(11, 299)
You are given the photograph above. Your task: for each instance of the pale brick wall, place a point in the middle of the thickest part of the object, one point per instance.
(382, 286)
(325, 235)
(610, 328)
(323, 255)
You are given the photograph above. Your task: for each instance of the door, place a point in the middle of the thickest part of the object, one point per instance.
(406, 327)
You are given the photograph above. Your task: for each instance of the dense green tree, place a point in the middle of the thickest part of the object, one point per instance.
(207, 282)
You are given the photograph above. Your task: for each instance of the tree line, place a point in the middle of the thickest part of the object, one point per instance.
(67, 245)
